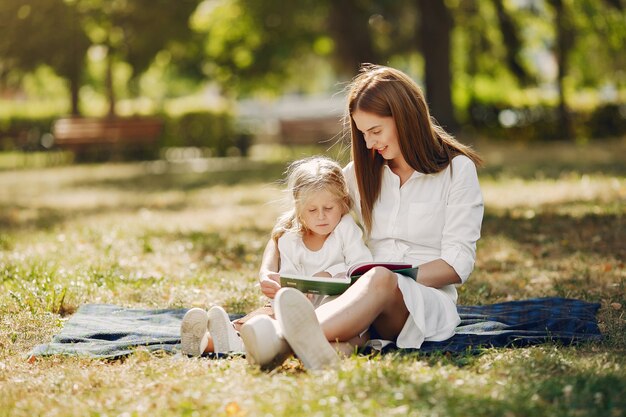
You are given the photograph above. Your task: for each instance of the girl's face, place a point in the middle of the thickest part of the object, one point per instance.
(380, 133)
(321, 212)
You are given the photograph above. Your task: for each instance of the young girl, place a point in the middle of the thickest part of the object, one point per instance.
(316, 236)
(416, 191)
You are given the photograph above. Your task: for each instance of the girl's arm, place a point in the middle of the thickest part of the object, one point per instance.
(268, 273)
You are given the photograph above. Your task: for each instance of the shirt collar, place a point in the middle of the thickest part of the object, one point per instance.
(388, 171)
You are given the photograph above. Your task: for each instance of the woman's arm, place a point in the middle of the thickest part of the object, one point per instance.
(463, 218)
(437, 274)
(268, 273)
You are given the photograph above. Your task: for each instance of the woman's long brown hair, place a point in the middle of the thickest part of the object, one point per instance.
(425, 145)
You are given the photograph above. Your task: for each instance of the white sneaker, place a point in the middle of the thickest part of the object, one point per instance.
(299, 325)
(225, 337)
(193, 332)
(263, 342)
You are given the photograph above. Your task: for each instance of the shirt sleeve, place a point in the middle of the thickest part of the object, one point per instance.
(353, 247)
(288, 251)
(463, 218)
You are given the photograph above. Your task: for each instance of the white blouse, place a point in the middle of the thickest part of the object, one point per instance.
(431, 216)
(343, 247)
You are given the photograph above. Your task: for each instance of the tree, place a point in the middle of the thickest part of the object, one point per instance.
(134, 31)
(563, 44)
(435, 26)
(44, 32)
(254, 44)
(352, 36)
(259, 45)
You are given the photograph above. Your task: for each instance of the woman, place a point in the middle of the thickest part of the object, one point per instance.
(417, 195)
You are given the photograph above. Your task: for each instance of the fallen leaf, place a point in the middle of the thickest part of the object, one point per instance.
(616, 306)
(232, 408)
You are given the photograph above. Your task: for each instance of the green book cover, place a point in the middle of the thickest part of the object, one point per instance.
(337, 285)
(316, 285)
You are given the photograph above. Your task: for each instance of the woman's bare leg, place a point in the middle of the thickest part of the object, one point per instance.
(374, 299)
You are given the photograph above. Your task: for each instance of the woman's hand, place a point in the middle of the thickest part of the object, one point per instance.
(270, 283)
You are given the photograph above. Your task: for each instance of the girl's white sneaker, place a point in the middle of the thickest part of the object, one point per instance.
(263, 342)
(300, 327)
(225, 337)
(193, 332)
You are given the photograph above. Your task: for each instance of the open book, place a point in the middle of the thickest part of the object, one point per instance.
(337, 285)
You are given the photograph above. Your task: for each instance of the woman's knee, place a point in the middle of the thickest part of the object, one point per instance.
(382, 279)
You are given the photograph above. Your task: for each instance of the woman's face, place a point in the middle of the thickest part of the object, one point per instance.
(379, 132)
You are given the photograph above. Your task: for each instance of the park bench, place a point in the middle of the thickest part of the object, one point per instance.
(310, 130)
(80, 134)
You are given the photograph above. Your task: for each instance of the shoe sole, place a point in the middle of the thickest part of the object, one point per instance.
(302, 330)
(192, 330)
(222, 331)
(252, 341)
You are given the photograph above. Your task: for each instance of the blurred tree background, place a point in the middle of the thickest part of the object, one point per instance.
(505, 69)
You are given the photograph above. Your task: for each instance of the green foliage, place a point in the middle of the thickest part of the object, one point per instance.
(251, 45)
(600, 39)
(42, 32)
(136, 30)
(214, 130)
(25, 134)
(541, 123)
(608, 120)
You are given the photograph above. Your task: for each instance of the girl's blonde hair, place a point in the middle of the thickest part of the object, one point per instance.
(425, 145)
(305, 177)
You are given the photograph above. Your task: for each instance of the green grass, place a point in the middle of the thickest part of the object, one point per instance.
(159, 235)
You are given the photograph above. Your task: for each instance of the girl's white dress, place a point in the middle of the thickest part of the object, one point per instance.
(343, 247)
(429, 217)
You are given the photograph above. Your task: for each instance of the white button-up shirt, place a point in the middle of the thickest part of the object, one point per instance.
(343, 247)
(431, 216)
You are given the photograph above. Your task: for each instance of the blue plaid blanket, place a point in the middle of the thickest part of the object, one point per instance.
(109, 331)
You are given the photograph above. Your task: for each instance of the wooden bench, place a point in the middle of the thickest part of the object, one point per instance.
(310, 131)
(81, 133)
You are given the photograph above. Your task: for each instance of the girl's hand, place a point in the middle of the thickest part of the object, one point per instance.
(270, 283)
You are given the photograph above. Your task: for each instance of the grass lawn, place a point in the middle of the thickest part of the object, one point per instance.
(160, 235)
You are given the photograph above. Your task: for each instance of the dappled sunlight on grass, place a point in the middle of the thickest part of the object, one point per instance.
(138, 236)
(525, 195)
(552, 160)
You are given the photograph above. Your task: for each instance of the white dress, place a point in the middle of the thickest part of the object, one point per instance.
(432, 216)
(343, 247)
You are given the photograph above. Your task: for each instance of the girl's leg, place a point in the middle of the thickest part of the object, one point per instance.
(204, 332)
(223, 335)
(374, 299)
(193, 332)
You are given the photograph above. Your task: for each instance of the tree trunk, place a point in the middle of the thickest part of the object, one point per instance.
(564, 43)
(513, 43)
(434, 41)
(74, 98)
(108, 84)
(348, 25)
